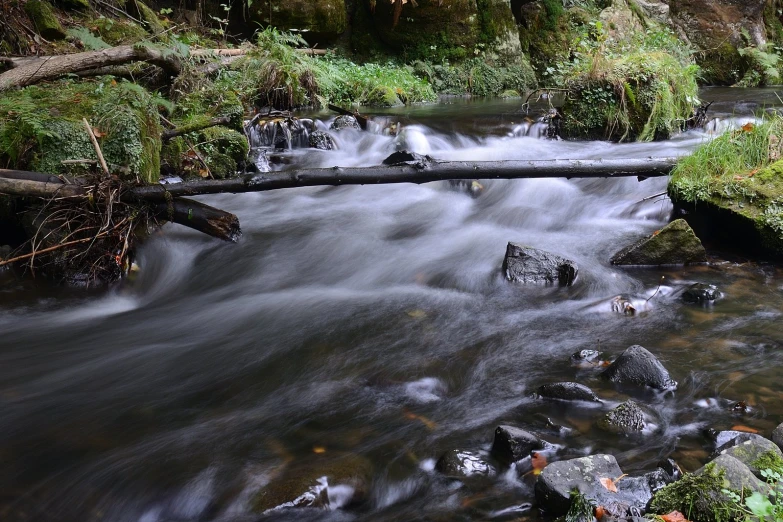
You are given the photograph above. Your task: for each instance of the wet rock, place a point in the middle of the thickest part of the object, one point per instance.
(554, 485)
(464, 464)
(321, 140)
(626, 419)
(585, 356)
(404, 157)
(674, 244)
(320, 483)
(637, 366)
(512, 444)
(737, 474)
(754, 451)
(567, 391)
(524, 264)
(701, 293)
(777, 435)
(345, 122)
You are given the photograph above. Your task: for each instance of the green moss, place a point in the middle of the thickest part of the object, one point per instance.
(44, 19)
(224, 149)
(40, 126)
(637, 96)
(117, 32)
(722, 65)
(147, 16)
(770, 460)
(699, 497)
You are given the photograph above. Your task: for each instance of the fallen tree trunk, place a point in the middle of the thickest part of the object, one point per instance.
(192, 214)
(413, 173)
(198, 216)
(27, 71)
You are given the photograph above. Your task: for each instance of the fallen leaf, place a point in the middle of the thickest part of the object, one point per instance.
(746, 429)
(748, 127)
(608, 484)
(416, 314)
(538, 461)
(98, 134)
(599, 512)
(674, 516)
(319, 449)
(424, 420)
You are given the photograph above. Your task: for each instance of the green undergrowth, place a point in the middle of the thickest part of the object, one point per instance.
(700, 497)
(642, 89)
(40, 126)
(721, 167)
(477, 76)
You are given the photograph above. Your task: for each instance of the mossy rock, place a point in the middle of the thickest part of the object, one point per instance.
(45, 127)
(674, 244)
(117, 32)
(223, 149)
(147, 16)
(44, 19)
(209, 101)
(731, 190)
(319, 22)
(721, 65)
(701, 496)
(638, 96)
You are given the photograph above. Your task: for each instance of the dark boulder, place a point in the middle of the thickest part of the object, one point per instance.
(701, 293)
(567, 391)
(345, 122)
(626, 419)
(556, 482)
(464, 464)
(524, 264)
(512, 444)
(321, 140)
(674, 244)
(637, 366)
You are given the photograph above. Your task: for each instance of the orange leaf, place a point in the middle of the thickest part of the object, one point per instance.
(674, 516)
(599, 512)
(748, 127)
(319, 449)
(538, 461)
(747, 429)
(656, 232)
(98, 134)
(608, 484)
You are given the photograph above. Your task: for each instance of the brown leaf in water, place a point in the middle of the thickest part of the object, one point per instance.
(319, 449)
(424, 420)
(538, 461)
(746, 429)
(599, 512)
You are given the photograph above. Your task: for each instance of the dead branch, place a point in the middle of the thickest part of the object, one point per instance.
(27, 71)
(97, 147)
(173, 133)
(198, 216)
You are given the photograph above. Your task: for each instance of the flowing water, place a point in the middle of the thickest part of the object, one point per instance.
(373, 323)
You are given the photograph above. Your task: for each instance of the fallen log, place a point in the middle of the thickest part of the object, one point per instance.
(30, 70)
(198, 216)
(199, 125)
(192, 214)
(414, 173)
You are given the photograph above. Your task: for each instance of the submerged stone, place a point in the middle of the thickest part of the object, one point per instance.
(567, 391)
(524, 264)
(464, 464)
(326, 483)
(638, 367)
(674, 244)
(701, 293)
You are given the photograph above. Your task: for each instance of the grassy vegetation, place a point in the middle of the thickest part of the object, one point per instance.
(642, 89)
(700, 497)
(720, 168)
